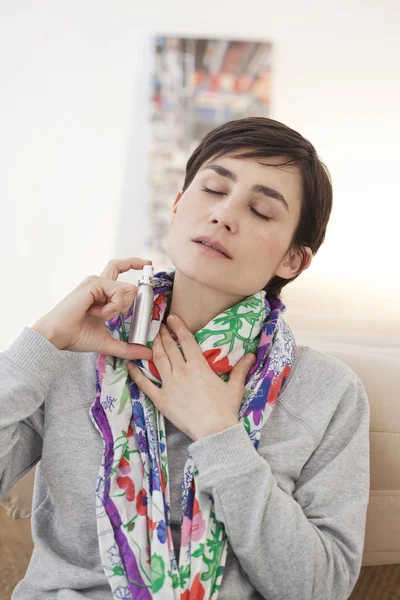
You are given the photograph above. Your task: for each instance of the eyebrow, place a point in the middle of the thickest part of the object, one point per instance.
(263, 189)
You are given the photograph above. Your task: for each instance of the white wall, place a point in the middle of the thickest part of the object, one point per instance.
(73, 137)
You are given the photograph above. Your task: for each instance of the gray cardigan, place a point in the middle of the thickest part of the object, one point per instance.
(294, 510)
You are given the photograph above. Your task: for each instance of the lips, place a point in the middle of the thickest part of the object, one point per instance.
(215, 244)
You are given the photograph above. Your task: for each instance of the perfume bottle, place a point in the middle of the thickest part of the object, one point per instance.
(142, 308)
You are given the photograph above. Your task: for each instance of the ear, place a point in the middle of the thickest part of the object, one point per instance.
(174, 208)
(178, 197)
(291, 263)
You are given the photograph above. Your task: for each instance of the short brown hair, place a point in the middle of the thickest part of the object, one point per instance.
(263, 138)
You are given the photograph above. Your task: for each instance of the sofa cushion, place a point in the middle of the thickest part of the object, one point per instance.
(18, 500)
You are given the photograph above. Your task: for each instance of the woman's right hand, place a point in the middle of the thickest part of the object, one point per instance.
(77, 323)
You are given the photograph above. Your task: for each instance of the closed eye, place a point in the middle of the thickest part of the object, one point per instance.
(208, 191)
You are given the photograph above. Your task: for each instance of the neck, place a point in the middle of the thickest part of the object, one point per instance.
(196, 303)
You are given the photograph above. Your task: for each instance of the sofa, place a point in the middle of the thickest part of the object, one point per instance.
(376, 360)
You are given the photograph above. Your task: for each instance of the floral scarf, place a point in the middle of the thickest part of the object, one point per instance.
(132, 494)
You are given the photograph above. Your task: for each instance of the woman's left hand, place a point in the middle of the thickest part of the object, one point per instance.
(194, 398)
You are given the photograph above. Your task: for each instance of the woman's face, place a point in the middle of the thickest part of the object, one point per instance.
(238, 189)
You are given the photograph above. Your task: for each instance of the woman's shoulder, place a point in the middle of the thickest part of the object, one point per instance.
(318, 385)
(313, 364)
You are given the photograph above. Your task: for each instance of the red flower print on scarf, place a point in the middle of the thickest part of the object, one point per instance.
(194, 527)
(157, 307)
(126, 483)
(276, 385)
(141, 502)
(151, 526)
(163, 486)
(199, 525)
(153, 370)
(197, 591)
(124, 466)
(216, 365)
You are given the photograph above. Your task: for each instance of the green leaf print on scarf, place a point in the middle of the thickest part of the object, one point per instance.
(157, 573)
(124, 398)
(247, 425)
(120, 369)
(199, 552)
(184, 573)
(179, 580)
(164, 468)
(175, 579)
(215, 546)
(234, 320)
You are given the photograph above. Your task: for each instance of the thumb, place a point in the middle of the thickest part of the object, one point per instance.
(114, 347)
(241, 369)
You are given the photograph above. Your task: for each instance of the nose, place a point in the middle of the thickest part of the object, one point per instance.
(225, 214)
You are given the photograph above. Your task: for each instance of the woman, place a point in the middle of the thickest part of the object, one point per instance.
(191, 473)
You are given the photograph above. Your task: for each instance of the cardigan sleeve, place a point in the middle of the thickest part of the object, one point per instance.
(304, 546)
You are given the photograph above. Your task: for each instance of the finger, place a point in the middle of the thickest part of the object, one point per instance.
(160, 358)
(113, 347)
(121, 265)
(240, 371)
(118, 305)
(114, 297)
(97, 310)
(144, 384)
(171, 348)
(190, 347)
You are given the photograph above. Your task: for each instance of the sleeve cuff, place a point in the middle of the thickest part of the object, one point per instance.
(224, 455)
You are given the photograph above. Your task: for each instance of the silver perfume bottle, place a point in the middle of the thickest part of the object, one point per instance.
(142, 308)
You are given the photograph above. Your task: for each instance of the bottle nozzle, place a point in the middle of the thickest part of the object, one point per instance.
(148, 271)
